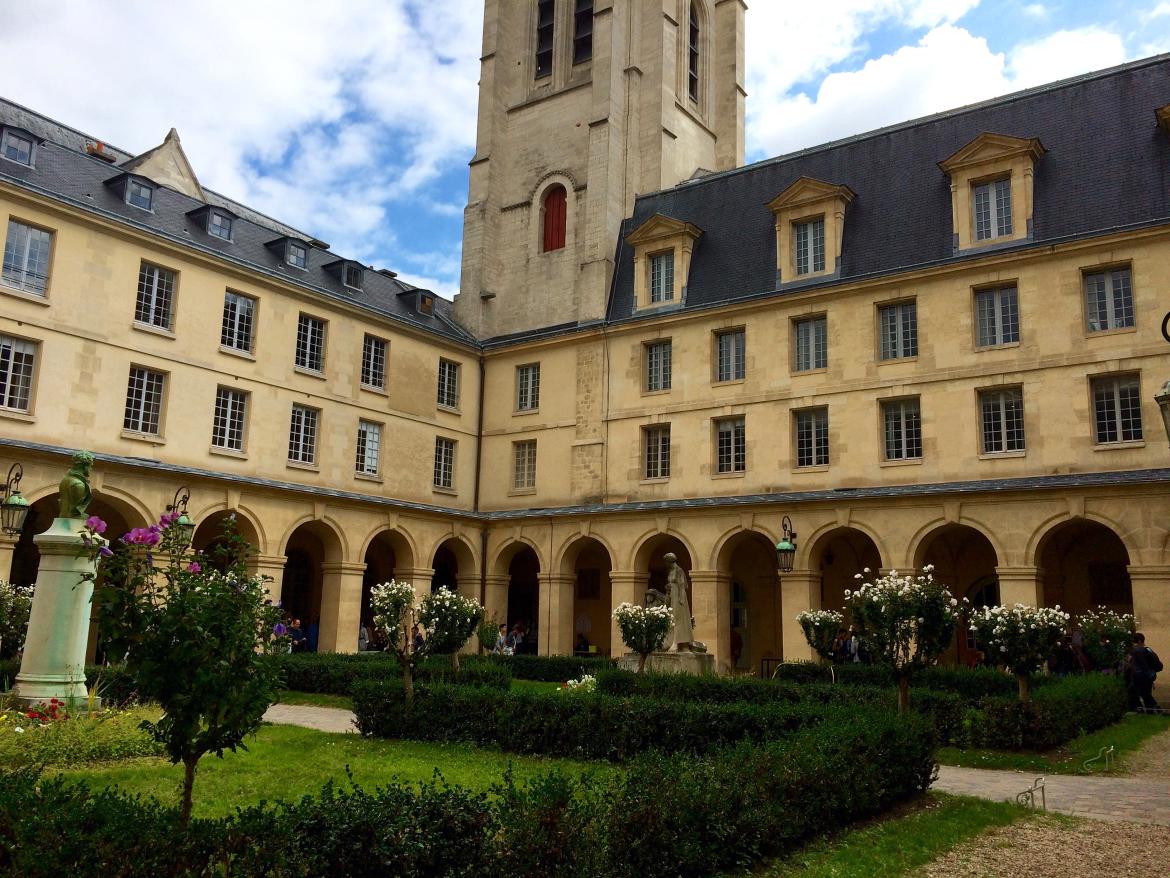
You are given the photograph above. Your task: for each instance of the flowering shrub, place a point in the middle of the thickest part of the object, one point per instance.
(1108, 636)
(1019, 638)
(15, 604)
(820, 629)
(449, 619)
(643, 629)
(906, 622)
(586, 685)
(200, 643)
(70, 740)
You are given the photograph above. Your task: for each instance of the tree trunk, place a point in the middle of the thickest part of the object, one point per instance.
(1025, 688)
(408, 682)
(903, 693)
(641, 662)
(455, 661)
(189, 763)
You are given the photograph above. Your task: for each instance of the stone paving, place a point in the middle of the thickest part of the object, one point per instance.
(323, 719)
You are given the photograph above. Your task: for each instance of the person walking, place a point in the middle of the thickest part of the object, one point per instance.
(1145, 667)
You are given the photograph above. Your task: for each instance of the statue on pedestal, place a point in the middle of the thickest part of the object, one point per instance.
(74, 491)
(681, 637)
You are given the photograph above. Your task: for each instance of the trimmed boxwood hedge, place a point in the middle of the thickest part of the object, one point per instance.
(1057, 713)
(662, 816)
(548, 668)
(335, 673)
(970, 683)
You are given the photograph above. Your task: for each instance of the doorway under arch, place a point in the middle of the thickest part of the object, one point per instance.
(748, 559)
(964, 560)
(839, 556)
(524, 596)
(208, 538)
(1084, 564)
(312, 545)
(589, 565)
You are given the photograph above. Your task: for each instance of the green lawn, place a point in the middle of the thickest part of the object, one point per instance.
(286, 762)
(897, 844)
(1126, 736)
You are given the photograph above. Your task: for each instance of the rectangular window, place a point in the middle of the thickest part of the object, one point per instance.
(528, 387)
(310, 343)
(899, 330)
(903, 429)
(730, 445)
(1109, 300)
(297, 255)
(809, 245)
(524, 465)
(26, 257)
(448, 384)
(992, 207)
(156, 296)
(730, 353)
(1001, 414)
(657, 451)
(662, 277)
(144, 400)
(17, 358)
(1117, 409)
(302, 435)
(17, 148)
(219, 225)
(374, 362)
(227, 423)
(444, 463)
(997, 317)
(545, 24)
(239, 317)
(351, 276)
(139, 194)
(658, 365)
(812, 437)
(369, 448)
(583, 31)
(812, 344)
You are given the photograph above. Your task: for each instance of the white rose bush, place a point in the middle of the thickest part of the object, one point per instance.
(449, 619)
(905, 621)
(1020, 638)
(820, 629)
(15, 605)
(643, 629)
(1108, 636)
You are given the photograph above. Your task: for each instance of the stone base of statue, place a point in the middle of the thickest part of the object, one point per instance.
(53, 665)
(697, 663)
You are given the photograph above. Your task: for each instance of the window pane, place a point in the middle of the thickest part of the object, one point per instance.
(156, 287)
(524, 465)
(811, 344)
(812, 437)
(227, 425)
(657, 451)
(662, 277)
(1002, 414)
(144, 395)
(16, 372)
(658, 366)
(903, 430)
(302, 440)
(26, 257)
(236, 332)
(1003, 207)
(139, 194)
(982, 211)
(528, 387)
(448, 394)
(374, 362)
(1109, 300)
(802, 248)
(17, 148)
(899, 330)
(310, 343)
(369, 447)
(444, 463)
(731, 446)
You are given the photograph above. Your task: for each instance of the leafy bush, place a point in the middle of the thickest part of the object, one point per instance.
(643, 629)
(547, 668)
(1108, 636)
(335, 674)
(103, 736)
(969, 683)
(15, 605)
(1056, 714)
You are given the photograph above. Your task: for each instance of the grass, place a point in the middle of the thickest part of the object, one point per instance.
(1125, 736)
(898, 843)
(287, 762)
(315, 699)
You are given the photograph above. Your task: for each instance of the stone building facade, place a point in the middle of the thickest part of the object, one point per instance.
(935, 343)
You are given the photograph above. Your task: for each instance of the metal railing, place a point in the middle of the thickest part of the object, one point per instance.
(1028, 796)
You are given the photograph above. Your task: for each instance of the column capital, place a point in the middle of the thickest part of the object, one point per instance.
(413, 572)
(627, 576)
(708, 576)
(269, 560)
(498, 579)
(344, 568)
(800, 576)
(1018, 572)
(557, 578)
(1149, 571)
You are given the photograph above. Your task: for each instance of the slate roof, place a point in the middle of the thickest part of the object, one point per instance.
(1106, 167)
(64, 171)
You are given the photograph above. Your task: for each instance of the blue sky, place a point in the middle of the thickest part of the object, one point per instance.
(355, 121)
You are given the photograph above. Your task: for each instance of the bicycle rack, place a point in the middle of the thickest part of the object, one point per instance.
(1028, 796)
(1106, 755)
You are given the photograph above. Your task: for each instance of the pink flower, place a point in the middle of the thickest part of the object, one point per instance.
(142, 536)
(95, 524)
(194, 567)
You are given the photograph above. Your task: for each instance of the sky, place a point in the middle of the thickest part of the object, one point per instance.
(354, 121)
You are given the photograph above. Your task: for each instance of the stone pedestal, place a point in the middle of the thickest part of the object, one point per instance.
(53, 665)
(697, 663)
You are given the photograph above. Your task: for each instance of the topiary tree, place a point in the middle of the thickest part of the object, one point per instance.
(199, 642)
(487, 632)
(449, 619)
(392, 604)
(820, 629)
(1108, 636)
(15, 605)
(1019, 638)
(906, 622)
(643, 629)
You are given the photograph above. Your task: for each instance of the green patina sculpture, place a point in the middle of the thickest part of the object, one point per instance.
(74, 492)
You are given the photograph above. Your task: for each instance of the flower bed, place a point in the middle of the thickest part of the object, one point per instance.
(50, 736)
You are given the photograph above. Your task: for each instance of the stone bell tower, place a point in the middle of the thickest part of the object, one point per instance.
(584, 104)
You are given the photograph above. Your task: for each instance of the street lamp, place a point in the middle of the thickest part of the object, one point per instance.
(1163, 401)
(14, 508)
(786, 548)
(183, 522)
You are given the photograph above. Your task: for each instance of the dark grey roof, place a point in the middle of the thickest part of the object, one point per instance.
(63, 170)
(1107, 166)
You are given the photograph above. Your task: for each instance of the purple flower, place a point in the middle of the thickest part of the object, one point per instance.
(142, 536)
(105, 552)
(279, 629)
(167, 519)
(95, 524)
(194, 567)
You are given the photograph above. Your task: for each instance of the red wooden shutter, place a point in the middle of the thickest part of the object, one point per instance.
(555, 205)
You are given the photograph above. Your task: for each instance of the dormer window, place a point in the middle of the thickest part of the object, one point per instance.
(426, 304)
(992, 190)
(17, 146)
(992, 203)
(662, 260)
(297, 255)
(352, 276)
(219, 225)
(809, 245)
(662, 277)
(139, 194)
(810, 229)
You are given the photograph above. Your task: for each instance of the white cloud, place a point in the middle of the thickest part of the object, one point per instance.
(1035, 10)
(1160, 11)
(1063, 54)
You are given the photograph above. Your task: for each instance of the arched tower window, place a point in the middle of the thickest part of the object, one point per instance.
(693, 44)
(555, 208)
(545, 21)
(583, 32)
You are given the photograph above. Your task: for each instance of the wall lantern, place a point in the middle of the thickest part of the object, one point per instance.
(14, 508)
(1163, 401)
(184, 523)
(786, 548)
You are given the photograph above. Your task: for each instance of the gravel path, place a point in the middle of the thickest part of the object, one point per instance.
(323, 719)
(1045, 848)
(1152, 759)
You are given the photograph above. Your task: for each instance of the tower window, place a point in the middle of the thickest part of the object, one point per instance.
(693, 55)
(544, 37)
(583, 32)
(555, 208)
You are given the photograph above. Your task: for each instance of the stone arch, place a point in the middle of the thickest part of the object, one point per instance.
(536, 208)
(207, 539)
(510, 548)
(838, 553)
(322, 525)
(588, 562)
(717, 560)
(247, 522)
(808, 547)
(1083, 563)
(398, 539)
(309, 547)
(1054, 521)
(453, 563)
(966, 560)
(644, 548)
(923, 536)
(747, 561)
(522, 566)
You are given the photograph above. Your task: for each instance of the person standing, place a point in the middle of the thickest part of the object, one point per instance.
(1145, 666)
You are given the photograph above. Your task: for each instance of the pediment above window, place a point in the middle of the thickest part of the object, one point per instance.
(989, 147)
(806, 191)
(660, 227)
(662, 261)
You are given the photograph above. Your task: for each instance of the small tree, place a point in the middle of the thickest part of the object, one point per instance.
(487, 632)
(15, 605)
(392, 604)
(449, 619)
(643, 629)
(906, 622)
(199, 642)
(820, 629)
(1108, 636)
(1019, 638)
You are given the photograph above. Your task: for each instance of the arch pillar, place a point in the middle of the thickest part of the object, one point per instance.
(711, 607)
(626, 587)
(495, 599)
(418, 577)
(556, 604)
(271, 567)
(1020, 585)
(800, 590)
(1151, 603)
(341, 606)
(7, 550)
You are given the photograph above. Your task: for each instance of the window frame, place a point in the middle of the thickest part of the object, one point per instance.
(731, 431)
(240, 409)
(303, 319)
(694, 47)
(308, 413)
(446, 464)
(38, 292)
(905, 438)
(149, 188)
(737, 360)
(1001, 225)
(27, 379)
(544, 42)
(9, 133)
(1117, 379)
(817, 444)
(1003, 435)
(524, 470)
(370, 345)
(362, 449)
(818, 337)
(652, 439)
(661, 294)
(582, 38)
(998, 314)
(452, 369)
(813, 228)
(236, 320)
(133, 429)
(289, 247)
(897, 307)
(527, 390)
(352, 276)
(665, 365)
(1111, 294)
(212, 215)
(151, 307)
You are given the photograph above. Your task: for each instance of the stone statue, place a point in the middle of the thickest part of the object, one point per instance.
(74, 491)
(682, 636)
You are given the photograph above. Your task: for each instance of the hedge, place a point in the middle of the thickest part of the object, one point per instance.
(548, 668)
(1058, 713)
(663, 816)
(336, 673)
(969, 683)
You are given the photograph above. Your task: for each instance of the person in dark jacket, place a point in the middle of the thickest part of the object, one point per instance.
(1144, 667)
